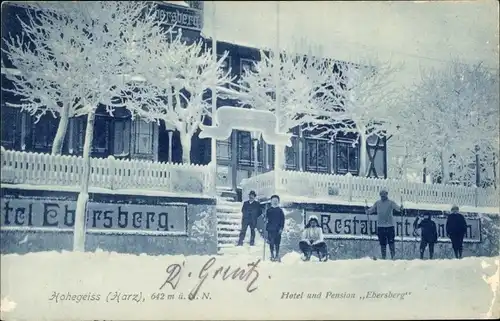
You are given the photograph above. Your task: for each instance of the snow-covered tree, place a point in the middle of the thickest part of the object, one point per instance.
(452, 120)
(300, 82)
(174, 88)
(57, 51)
(46, 76)
(362, 100)
(79, 56)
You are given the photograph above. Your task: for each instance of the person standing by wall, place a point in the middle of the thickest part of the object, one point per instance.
(250, 212)
(274, 227)
(428, 234)
(456, 228)
(386, 233)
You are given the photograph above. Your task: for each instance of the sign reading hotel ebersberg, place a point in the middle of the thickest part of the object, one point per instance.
(181, 17)
(101, 217)
(347, 225)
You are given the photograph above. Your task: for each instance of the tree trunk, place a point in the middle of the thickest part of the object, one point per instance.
(362, 153)
(424, 178)
(405, 164)
(495, 177)
(445, 168)
(186, 148)
(81, 204)
(478, 167)
(61, 131)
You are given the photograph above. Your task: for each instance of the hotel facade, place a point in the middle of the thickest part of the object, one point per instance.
(124, 138)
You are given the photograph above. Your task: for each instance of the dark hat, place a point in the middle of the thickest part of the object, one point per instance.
(252, 193)
(275, 196)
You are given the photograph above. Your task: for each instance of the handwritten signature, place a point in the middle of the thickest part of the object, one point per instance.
(251, 275)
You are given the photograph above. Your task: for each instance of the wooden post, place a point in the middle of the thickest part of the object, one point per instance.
(213, 141)
(234, 160)
(170, 133)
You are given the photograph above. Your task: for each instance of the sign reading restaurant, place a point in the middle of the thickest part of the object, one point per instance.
(348, 225)
(51, 214)
(180, 16)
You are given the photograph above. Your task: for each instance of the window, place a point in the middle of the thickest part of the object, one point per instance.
(260, 152)
(226, 66)
(292, 154)
(100, 143)
(376, 156)
(246, 149)
(195, 4)
(246, 65)
(347, 157)
(43, 132)
(270, 157)
(10, 127)
(121, 137)
(101, 137)
(224, 149)
(317, 152)
(143, 137)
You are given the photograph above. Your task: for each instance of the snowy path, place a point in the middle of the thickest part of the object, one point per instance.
(350, 289)
(256, 251)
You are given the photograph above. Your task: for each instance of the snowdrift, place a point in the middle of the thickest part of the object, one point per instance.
(102, 285)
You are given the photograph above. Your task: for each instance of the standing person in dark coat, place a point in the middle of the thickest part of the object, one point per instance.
(428, 235)
(456, 228)
(250, 212)
(274, 227)
(386, 233)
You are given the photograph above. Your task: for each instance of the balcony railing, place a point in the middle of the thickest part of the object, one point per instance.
(348, 188)
(108, 173)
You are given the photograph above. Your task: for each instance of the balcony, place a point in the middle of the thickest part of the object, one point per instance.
(108, 175)
(293, 186)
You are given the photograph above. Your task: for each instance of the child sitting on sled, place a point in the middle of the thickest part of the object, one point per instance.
(312, 240)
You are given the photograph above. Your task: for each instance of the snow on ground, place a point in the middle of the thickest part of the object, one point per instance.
(348, 289)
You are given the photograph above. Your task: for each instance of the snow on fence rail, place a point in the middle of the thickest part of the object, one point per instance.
(353, 188)
(45, 169)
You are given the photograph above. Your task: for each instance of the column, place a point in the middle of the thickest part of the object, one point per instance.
(234, 159)
(301, 150)
(71, 128)
(170, 134)
(23, 130)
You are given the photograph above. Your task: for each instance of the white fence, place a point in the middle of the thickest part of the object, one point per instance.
(45, 169)
(352, 188)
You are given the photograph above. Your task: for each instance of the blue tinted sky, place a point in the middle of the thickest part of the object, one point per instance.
(420, 34)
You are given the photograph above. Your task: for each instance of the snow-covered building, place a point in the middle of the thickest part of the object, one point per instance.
(183, 204)
(126, 139)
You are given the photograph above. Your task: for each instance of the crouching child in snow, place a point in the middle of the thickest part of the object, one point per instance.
(312, 240)
(428, 235)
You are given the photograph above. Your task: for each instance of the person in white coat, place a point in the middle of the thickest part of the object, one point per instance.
(312, 240)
